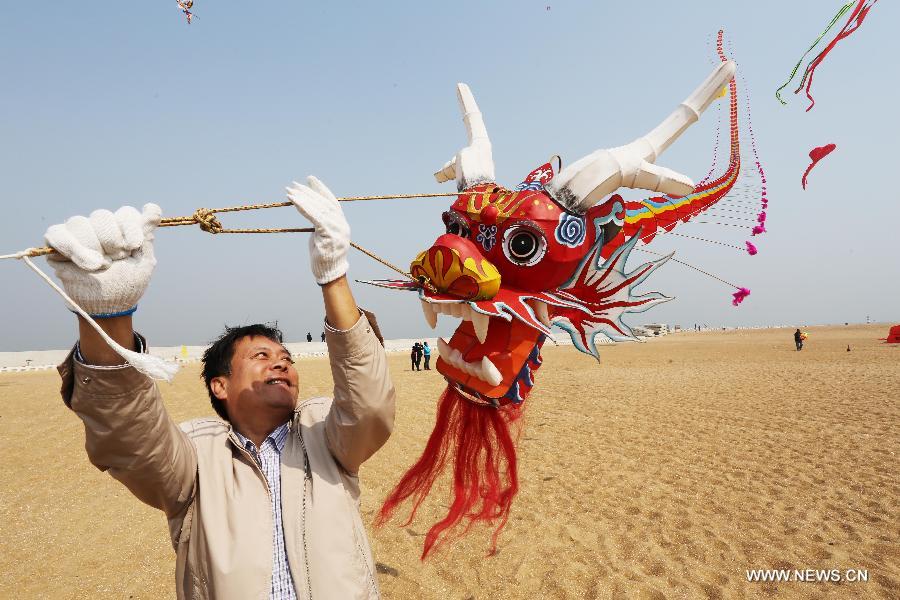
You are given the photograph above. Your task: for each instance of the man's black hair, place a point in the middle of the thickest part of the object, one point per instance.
(217, 358)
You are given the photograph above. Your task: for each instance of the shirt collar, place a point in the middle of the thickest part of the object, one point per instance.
(277, 438)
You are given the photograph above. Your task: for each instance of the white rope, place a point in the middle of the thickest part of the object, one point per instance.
(151, 366)
(19, 254)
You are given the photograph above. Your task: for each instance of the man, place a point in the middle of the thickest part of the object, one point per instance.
(264, 504)
(798, 340)
(416, 356)
(308, 336)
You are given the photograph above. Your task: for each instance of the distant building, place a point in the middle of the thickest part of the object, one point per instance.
(657, 328)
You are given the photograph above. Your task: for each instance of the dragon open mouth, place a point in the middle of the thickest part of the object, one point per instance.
(495, 350)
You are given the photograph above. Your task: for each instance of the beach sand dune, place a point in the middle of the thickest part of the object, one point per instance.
(666, 471)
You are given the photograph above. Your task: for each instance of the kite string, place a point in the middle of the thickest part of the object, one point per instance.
(206, 220)
(150, 365)
(681, 262)
(21, 254)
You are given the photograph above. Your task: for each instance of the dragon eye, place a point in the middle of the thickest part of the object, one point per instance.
(524, 246)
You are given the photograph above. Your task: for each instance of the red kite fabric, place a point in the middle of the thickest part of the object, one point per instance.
(817, 154)
(893, 335)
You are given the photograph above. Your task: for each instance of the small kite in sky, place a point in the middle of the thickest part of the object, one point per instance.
(185, 6)
(817, 154)
(859, 12)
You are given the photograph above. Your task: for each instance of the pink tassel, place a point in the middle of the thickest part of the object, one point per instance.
(751, 249)
(761, 228)
(739, 296)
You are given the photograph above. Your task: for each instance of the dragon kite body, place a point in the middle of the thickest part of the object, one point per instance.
(512, 264)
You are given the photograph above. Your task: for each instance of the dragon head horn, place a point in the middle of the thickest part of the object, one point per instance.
(588, 180)
(474, 164)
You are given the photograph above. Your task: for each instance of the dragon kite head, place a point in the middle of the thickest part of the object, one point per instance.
(511, 264)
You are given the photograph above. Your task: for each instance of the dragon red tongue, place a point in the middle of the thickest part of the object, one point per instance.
(507, 347)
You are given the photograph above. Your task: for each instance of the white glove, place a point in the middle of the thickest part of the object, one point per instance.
(329, 244)
(105, 261)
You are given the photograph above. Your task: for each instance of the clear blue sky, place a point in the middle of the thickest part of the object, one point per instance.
(111, 103)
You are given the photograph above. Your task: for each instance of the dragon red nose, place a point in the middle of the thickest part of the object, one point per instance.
(455, 266)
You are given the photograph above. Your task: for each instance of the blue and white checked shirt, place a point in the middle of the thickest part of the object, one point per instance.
(269, 459)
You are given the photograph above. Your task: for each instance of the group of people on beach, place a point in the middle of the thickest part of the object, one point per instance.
(419, 351)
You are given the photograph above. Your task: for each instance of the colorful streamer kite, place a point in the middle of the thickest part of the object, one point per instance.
(185, 6)
(860, 10)
(817, 154)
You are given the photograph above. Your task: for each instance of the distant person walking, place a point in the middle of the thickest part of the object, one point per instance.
(308, 336)
(323, 336)
(798, 340)
(416, 356)
(426, 352)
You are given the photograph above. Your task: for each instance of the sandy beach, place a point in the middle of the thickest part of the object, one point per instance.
(666, 471)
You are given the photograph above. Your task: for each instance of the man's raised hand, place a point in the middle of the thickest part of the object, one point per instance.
(330, 243)
(105, 261)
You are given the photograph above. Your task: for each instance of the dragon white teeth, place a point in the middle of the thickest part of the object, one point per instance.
(489, 373)
(480, 322)
(456, 358)
(540, 311)
(460, 310)
(483, 370)
(430, 315)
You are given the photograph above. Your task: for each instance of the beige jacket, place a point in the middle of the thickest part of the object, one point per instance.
(215, 495)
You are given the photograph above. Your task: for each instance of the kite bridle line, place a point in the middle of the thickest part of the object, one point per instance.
(205, 218)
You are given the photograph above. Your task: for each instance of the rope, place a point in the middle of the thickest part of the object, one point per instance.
(152, 366)
(387, 264)
(681, 262)
(207, 221)
(205, 218)
(20, 254)
(725, 224)
(690, 237)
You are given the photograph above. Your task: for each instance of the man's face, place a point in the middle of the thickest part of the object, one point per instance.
(262, 380)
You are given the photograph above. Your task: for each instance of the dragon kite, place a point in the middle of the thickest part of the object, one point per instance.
(513, 263)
